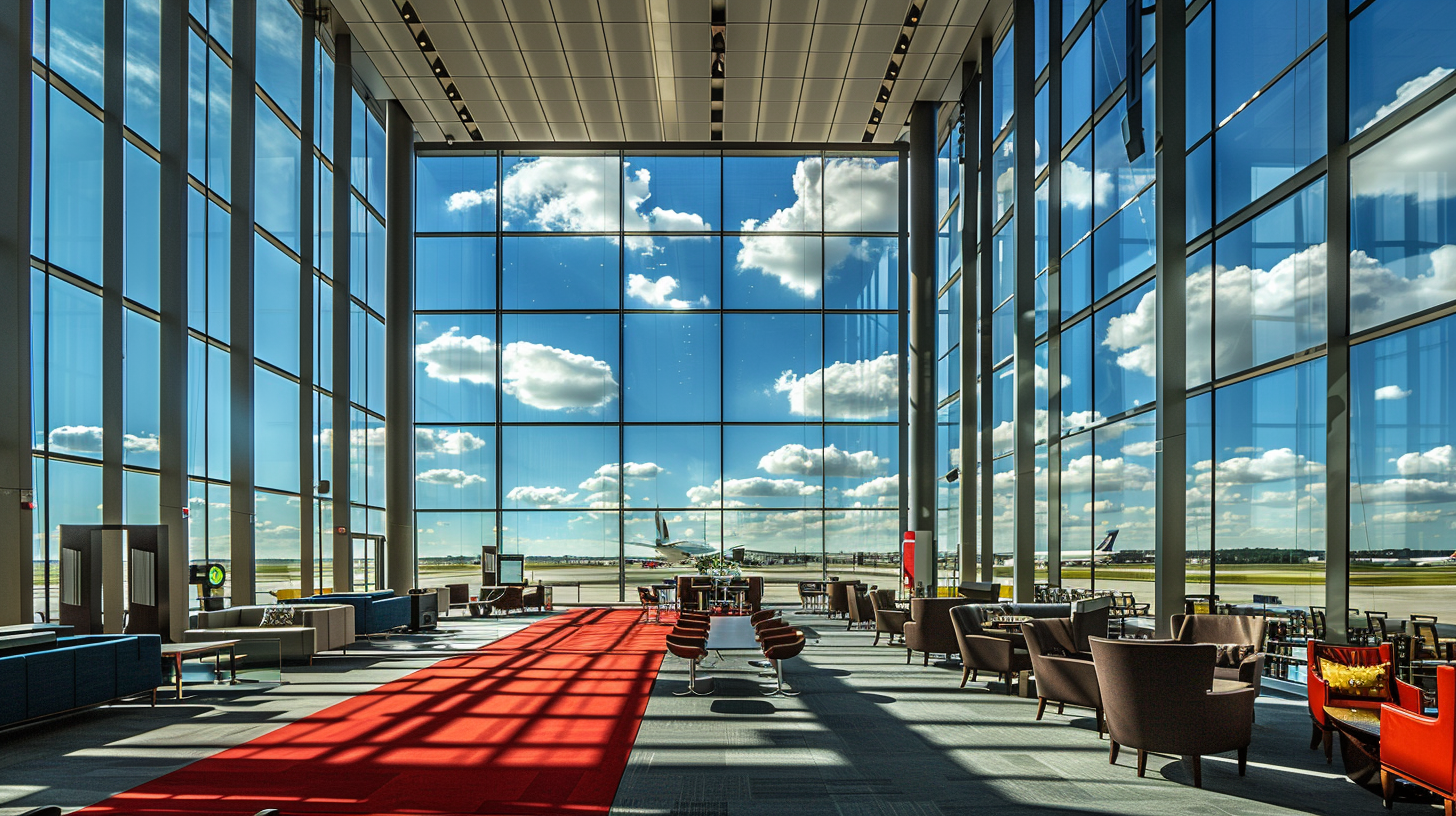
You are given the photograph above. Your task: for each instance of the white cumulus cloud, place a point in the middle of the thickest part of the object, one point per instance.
(429, 442)
(451, 358)
(1406, 92)
(858, 194)
(798, 460)
(86, 439)
(658, 292)
(862, 389)
(876, 487)
(550, 378)
(454, 477)
(468, 199)
(540, 496)
(1391, 392)
(1134, 336)
(1434, 461)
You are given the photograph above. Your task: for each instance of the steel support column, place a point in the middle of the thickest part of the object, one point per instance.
(985, 192)
(172, 275)
(306, 307)
(240, 294)
(1171, 567)
(17, 599)
(1024, 344)
(922, 465)
(113, 267)
(1337, 321)
(1054, 301)
(399, 449)
(970, 288)
(343, 578)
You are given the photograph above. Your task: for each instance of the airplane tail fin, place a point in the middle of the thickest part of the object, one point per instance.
(1106, 545)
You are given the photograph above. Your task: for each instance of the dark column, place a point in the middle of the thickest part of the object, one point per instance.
(343, 579)
(1054, 304)
(922, 464)
(1024, 343)
(1171, 568)
(399, 449)
(113, 264)
(172, 271)
(240, 295)
(970, 287)
(1337, 343)
(17, 602)
(306, 310)
(985, 193)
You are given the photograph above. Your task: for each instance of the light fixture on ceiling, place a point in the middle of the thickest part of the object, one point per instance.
(449, 138)
(452, 92)
(439, 69)
(718, 67)
(903, 44)
(423, 41)
(885, 92)
(407, 11)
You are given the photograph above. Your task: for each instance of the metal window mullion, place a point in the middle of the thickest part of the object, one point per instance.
(923, 317)
(1337, 322)
(969, 213)
(1024, 343)
(307, 282)
(1054, 310)
(242, 503)
(985, 306)
(343, 567)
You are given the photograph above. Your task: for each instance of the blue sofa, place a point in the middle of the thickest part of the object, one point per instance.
(374, 612)
(39, 679)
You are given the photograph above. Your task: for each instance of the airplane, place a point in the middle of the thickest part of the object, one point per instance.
(1101, 553)
(669, 551)
(1425, 561)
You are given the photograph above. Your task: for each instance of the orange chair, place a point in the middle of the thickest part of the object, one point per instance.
(1322, 693)
(1421, 749)
(691, 648)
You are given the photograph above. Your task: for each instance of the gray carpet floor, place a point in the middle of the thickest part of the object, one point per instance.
(871, 736)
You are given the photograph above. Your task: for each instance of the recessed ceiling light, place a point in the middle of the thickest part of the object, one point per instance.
(407, 11)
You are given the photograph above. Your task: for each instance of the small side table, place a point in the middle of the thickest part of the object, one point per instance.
(175, 653)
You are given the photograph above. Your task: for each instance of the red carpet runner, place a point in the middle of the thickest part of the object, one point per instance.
(540, 722)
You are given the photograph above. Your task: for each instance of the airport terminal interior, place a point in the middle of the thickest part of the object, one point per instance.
(668, 407)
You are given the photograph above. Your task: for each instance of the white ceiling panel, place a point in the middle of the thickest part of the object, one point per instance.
(529, 11)
(495, 132)
(600, 110)
(502, 63)
(548, 87)
(632, 64)
(546, 63)
(481, 10)
(607, 131)
(569, 131)
(840, 11)
(537, 36)
(573, 11)
(589, 63)
(582, 36)
(574, 70)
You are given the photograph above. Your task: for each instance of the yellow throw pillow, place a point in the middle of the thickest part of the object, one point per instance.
(1355, 681)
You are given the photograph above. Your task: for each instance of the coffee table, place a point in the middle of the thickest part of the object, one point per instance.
(175, 653)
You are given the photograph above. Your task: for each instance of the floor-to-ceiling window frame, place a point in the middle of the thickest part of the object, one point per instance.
(97, 297)
(709, 334)
(1316, 236)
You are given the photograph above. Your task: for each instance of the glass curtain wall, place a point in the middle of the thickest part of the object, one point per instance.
(1258, 304)
(603, 337)
(72, 168)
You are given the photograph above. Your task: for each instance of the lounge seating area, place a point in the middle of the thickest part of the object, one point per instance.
(312, 628)
(43, 675)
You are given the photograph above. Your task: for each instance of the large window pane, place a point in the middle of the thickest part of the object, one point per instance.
(560, 368)
(455, 368)
(1398, 48)
(1402, 222)
(671, 365)
(673, 273)
(561, 466)
(772, 368)
(560, 273)
(671, 465)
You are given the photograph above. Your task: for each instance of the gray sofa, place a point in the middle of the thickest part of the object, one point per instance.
(316, 628)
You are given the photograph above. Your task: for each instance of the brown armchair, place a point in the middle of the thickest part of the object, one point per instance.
(986, 651)
(506, 599)
(838, 597)
(1227, 630)
(929, 628)
(1063, 675)
(1157, 696)
(888, 620)
(861, 610)
(534, 597)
